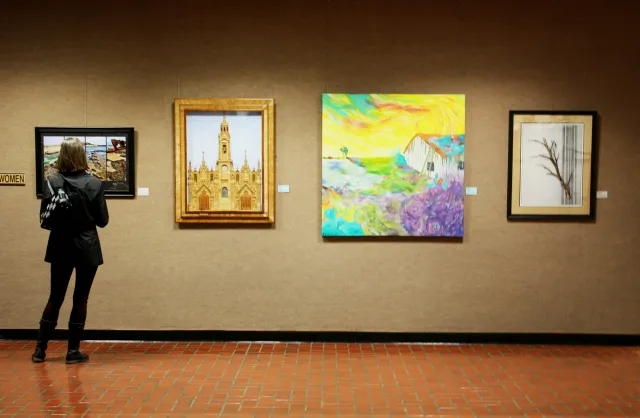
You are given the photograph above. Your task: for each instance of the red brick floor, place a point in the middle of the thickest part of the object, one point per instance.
(313, 380)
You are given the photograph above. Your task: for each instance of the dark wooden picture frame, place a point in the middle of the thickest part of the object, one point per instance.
(552, 167)
(110, 151)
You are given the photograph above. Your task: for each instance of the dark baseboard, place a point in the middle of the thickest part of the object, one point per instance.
(337, 337)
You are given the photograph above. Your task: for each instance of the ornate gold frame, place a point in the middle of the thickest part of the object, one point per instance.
(267, 109)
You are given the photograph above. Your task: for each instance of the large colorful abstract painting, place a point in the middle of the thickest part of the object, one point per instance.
(393, 165)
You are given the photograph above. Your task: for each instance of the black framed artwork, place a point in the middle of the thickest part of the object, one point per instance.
(552, 165)
(110, 154)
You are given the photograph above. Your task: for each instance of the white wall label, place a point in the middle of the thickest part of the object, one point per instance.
(143, 191)
(602, 194)
(283, 188)
(471, 191)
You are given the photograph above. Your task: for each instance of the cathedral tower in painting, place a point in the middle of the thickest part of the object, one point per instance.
(223, 187)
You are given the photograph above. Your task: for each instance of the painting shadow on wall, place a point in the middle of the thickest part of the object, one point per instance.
(416, 240)
(393, 167)
(229, 226)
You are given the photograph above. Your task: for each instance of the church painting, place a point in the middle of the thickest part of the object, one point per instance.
(230, 164)
(224, 161)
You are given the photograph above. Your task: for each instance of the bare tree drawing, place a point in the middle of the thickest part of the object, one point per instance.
(551, 148)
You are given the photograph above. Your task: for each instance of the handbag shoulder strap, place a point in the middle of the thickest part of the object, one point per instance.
(50, 188)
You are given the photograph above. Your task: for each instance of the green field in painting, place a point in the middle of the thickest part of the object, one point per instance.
(377, 196)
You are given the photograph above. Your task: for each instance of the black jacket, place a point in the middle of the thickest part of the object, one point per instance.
(81, 247)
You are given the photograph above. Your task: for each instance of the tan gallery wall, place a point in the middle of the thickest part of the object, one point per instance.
(121, 63)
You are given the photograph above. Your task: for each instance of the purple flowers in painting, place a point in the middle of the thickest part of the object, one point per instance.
(393, 165)
(437, 212)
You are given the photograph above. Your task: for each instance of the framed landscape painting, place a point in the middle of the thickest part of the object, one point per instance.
(552, 165)
(110, 154)
(393, 165)
(224, 161)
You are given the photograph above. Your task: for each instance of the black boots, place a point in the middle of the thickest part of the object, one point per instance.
(74, 355)
(44, 335)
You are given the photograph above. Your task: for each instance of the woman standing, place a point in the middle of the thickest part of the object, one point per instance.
(75, 246)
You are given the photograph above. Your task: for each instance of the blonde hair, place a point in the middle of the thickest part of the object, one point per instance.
(72, 156)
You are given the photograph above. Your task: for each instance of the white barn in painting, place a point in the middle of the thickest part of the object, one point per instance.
(428, 158)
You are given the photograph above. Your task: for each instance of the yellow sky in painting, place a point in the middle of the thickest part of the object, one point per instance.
(383, 124)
